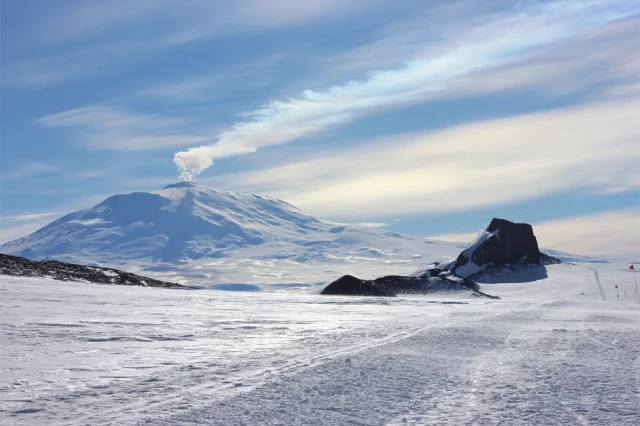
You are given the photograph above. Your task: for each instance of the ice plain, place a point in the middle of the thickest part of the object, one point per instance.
(549, 352)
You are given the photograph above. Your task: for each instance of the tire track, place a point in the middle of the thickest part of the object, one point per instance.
(597, 277)
(233, 384)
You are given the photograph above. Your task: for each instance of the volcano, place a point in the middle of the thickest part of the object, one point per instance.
(192, 233)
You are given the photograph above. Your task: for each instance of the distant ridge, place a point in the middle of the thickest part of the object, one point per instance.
(22, 267)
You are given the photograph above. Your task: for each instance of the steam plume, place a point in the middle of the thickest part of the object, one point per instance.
(503, 40)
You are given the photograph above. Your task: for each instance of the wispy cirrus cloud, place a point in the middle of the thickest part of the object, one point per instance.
(115, 128)
(28, 169)
(29, 217)
(222, 82)
(119, 31)
(10, 233)
(19, 225)
(191, 89)
(45, 69)
(590, 147)
(505, 39)
(180, 22)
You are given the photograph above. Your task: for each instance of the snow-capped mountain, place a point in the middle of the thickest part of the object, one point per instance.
(191, 233)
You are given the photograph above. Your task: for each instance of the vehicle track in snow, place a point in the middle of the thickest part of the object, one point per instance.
(203, 381)
(597, 277)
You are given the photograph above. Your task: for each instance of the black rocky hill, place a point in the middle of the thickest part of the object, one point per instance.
(22, 267)
(503, 244)
(504, 247)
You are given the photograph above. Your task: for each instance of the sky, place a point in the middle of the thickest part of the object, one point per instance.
(425, 117)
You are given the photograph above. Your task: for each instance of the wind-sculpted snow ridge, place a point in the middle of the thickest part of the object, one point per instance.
(21, 267)
(190, 233)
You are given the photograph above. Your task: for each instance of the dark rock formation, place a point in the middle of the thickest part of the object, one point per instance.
(502, 243)
(21, 267)
(393, 285)
(352, 286)
(502, 249)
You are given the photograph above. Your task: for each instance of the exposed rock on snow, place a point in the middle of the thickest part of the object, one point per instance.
(21, 267)
(503, 247)
(393, 285)
(352, 286)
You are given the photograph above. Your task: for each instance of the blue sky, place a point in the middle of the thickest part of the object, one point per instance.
(430, 117)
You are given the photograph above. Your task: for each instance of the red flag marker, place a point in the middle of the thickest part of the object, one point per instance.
(632, 267)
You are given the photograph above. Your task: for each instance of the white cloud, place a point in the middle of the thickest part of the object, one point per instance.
(10, 233)
(415, 37)
(456, 237)
(29, 217)
(180, 22)
(364, 224)
(614, 233)
(110, 127)
(189, 89)
(496, 43)
(120, 30)
(20, 225)
(42, 72)
(496, 162)
(224, 81)
(44, 69)
(608, 233)
(27, 169)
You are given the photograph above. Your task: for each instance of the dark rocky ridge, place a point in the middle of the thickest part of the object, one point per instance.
(22, 267)
(349, 285)
(504, 247)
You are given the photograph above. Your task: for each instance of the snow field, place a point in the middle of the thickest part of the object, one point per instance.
(548, 352)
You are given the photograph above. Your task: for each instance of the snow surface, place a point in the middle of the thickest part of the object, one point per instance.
(549, 352)
(192, 234)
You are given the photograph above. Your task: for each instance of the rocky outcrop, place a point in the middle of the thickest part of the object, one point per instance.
(394, 285)
(22, 267)
(351, 286)
(502, 249)
(502, 244)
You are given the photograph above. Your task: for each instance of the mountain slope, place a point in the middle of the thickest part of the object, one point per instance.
(189, 232)
(167, 225)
